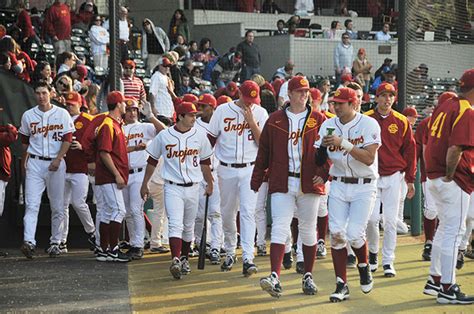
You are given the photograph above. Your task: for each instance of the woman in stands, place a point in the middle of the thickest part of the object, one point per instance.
(65, 62)
(335, 26)
(99, 39)
(178, 26)
(22, 65)
(42, 73)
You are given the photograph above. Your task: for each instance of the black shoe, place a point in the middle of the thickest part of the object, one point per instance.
(117, 256)
(287, 260)
(185, 267)
(100, 255)
(124, 245)
(249, 268)
(453, 296)
(175, 268)
(431, 287)
(261, 250)
(300, 267)
(147, 245)
(63, 247)
(373, 262)
(341, 293)
(28, 249)
(427, 252)
(92, 242)
(366, 281)
(460, 260)
(389, 270)
(3, 254)
(135, 253)
(351, 261)
(214, 257)
(228, 263)
(54, 250)
(308, 285)
(272, 285)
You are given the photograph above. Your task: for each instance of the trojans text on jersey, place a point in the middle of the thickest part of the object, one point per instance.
(181, 154)
(44, 129)
(239, 127)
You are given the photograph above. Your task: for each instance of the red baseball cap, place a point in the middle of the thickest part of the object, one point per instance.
(344, 94)
(82, 71)
(445, 96)
(223, 100)
(207, 99)
(115, 97)
(386, 88)
(346, 78)
(131, 102)
(250, 92)
(190, 98)
(232, 88)
(129, 63)
(298, 83)
(467, 79)
(410, 112)
(315, 93)
(186, 107)
(73, 98)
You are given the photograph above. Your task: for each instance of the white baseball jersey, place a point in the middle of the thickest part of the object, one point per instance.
(137, 133)
(46, 130)
(284, 92)
(296, 125)
(361, 132)
(235, 142)
(182, 153)
(204, 127)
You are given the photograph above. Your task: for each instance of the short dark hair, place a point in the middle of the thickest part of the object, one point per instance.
(111, 107)
(354, 86)
(334, 24)
(280, 21)
(346, 22)
(248, 32)
(42, 83)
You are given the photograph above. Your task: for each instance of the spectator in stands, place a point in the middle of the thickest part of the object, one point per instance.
(99, 37)
(161, 90)
(277, 83)
(180, 42)
(5, 62)
(251, 58)
(91, 98)
(195, 78)
(65, 62)
(294, 19)
(269, 6)
(63, 84)
(28, 34)
(78, 74)
(155, 43)
(280, 28)
(206, 48)
(283, 93)
(325, 88)
(331, 33)
(84, 17)
(42, 73)
(193, 49)
(247, 6)
(349, 25)
(346, 79)
(343, 57)
(375, 7)
(387, 62)
(124, 32)
(384, 34)
(285, 72)
(304, 7)
(227, 69)
(185, 88)
(132, 85)
(57, 24)
(36, 22)
(178, 26)
(22, 65)
(231, 90)
(89, 2)
(361, 68)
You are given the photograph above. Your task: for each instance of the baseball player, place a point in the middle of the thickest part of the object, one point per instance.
(396, 155)
(138, 135)
(449, 155)
(207, 104)
(350, 141)
(77, 182)
(293, 188)
(111, 176)
(235, 129)
(467, 234)
(186, 154)
(429, 207)
(46, 133)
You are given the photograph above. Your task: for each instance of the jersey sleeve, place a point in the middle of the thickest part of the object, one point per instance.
(154, 149)
(263, 118)
(68, 123)
(322, 132)
(372, 133)
(206, 149)
(149, 131)
(462, 133)
(105, 138)
(214, 124)
(24, 127)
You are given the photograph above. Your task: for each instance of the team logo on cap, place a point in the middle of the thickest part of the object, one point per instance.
(311, 123)
(129, 103)
(201, 97)
(393, 128)
(337, 93)
(78, 125)
(388, 87)
(253, 93)
(70, 96)
(194, 107)
(304, 82)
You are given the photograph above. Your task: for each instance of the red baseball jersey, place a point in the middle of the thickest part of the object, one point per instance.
(8, 135)
(421, 132)
(111, 139)
(76, 161)
(88, 138)
(451, 124)
(398, 150)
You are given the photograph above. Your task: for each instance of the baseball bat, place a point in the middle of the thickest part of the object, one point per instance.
(202, 245)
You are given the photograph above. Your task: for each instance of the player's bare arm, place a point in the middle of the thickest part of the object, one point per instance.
(150, 168)
(453, 157)
(62, 151)
(206, 172)
(108, 162)
(249, 118)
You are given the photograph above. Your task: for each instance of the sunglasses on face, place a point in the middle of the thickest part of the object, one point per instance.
(63, 84)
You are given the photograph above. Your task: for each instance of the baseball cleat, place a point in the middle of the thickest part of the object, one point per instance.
(366, 280)
(427, 252)
(469, 254)
(321, 251)
(249, 268)
(351, 261)
(28, 249)
(431, 287)
(175, 268)
(228, 263)
(341, 293)
(460, 259)
(160, 250)
(63, 247)
(272, 285)
(185, 267)
(214, 257)
(453, 296)
(124, 245)
(261, 250)
(117, 256)
(194, 252)
(308, 285)
(54, 250)
(101, 256)
(389, 270)
(287, 260)
(300, 267)
(135, 253)
(92, 241)
(373, 262)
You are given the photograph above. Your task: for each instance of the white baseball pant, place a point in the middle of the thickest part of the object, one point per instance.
(3, 187)
(39, 178)
(157, 215)
(469, 224)
(429, 206)
(388, 194)
(181, 205)
(75, 193)
(113, 204)
(350, 208)
(134, 209)
(452, 204)
(99, 205)
(234, 184)
(283, 210)
(261, 214)
(403, 196)
(213, 215)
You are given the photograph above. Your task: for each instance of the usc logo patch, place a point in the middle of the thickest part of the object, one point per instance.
(311, 123)
(78, 125)
(253, 93)
(393, 128)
